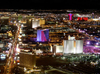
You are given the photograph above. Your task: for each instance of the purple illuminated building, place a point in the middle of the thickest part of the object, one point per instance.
(43, 35)
(91, 49)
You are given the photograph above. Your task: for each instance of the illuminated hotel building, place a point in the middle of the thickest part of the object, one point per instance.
(42, 22)
(56, 49)
(27, 60)
(43, 35)
(73, 46)
(35, 23)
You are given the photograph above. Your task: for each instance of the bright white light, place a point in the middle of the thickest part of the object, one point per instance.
(22, 25)
(97, 43)
(14, 58)
(17, 49)
(63, 18)
(3, 57)
(91, 35)
(18, 63)
(38, 51)
(35, 23)
(88, 42)
(19, 36)
(59, 49)
(93, 63)
(25, 69)
(95, 19)
(26, 50)
(19, 39)
(19, 21)
(51, 48)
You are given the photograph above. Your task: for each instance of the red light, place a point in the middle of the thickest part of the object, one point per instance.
(17, 60)
(82, 18)
(85, 18)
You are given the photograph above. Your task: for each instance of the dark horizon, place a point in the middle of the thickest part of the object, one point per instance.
(53, 4)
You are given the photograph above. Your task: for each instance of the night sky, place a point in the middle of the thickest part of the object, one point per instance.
(53, 4)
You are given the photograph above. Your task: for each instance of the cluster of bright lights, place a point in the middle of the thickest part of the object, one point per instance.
(22, 25)
(18, 50)
(20, 31)
(19, 36)
(3, 57)
(19, 39)
(92, 49)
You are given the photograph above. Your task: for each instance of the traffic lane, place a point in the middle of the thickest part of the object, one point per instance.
(12, 57)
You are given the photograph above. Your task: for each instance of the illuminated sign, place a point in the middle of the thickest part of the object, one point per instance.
(82, 18)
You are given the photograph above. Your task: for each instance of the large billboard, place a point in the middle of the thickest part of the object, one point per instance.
(43, 35)
(73, 46)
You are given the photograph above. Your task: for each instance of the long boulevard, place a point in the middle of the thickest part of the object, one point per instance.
(10, 60)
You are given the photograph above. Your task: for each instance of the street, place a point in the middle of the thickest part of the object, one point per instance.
(10, 60)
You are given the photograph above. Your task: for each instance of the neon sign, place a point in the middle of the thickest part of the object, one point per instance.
(82, 18)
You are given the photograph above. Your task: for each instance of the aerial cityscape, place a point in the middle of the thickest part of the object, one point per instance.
(54, 41)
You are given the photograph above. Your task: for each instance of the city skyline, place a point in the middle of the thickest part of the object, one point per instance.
(49, 41)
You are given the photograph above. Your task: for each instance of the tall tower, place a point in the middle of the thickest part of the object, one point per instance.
(70, 16)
